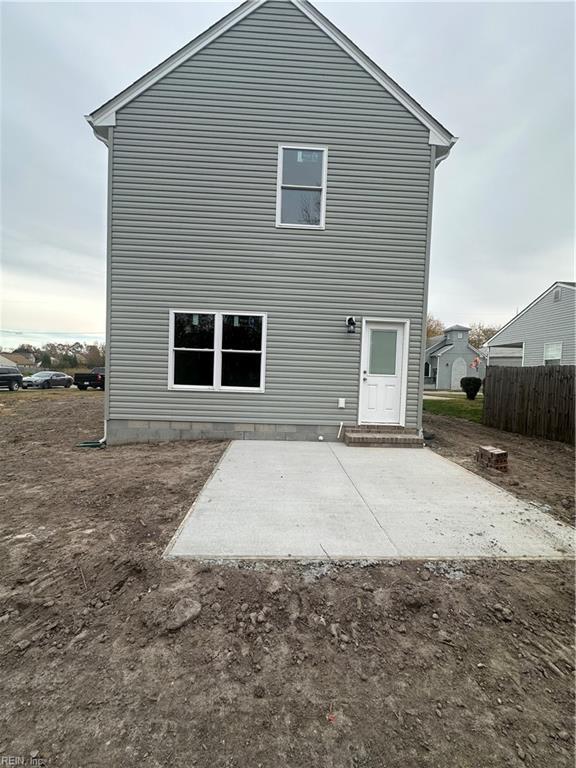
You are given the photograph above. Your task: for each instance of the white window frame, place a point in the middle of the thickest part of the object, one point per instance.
(552, 344)
(217, 349)
(280, 186)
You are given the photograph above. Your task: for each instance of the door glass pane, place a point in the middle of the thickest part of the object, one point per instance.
(301, 206)
(241, 369)
(241, 332)
(383, 352)
(194, 331)
(194, 368)
(302, 167)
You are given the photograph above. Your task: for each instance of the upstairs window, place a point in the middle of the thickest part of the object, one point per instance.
(301, 194)
(217, 350)
(552, 353)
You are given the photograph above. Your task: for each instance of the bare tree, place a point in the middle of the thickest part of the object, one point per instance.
(434, 327)
(480, 333)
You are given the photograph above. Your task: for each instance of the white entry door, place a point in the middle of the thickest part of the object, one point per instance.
(381, 384)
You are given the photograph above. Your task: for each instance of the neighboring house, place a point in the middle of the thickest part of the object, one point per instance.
(5, 361)
(544, 333)
(270, 193)
(450, 357)
(21, 359)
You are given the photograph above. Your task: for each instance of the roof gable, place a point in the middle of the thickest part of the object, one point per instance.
(105, 116)
(561, 283)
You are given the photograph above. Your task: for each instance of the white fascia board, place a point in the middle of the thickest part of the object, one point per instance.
(444, 349)
(490, 342)
(106, 113)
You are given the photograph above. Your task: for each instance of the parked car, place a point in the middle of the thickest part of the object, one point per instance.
(95, 378)
(47, 380)
(11, 378)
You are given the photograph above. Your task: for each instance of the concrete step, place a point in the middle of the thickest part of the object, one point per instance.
(386, 439)
(388, 428)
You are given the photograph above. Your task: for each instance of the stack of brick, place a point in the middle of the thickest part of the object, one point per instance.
(492, 457)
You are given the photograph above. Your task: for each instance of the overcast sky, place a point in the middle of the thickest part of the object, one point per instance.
(499, 76)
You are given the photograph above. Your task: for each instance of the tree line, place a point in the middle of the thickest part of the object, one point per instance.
(63, 356)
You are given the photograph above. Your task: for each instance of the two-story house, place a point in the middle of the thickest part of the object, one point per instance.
(270, 204)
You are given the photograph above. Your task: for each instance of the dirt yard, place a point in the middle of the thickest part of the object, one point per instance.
(539, 470)
(110, 656)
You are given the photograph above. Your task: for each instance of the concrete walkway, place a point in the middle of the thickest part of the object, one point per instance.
(326, 500)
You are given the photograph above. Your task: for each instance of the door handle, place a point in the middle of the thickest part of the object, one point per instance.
(365, 378)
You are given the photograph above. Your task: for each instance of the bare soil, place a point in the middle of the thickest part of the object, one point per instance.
(111, 656)
(541, 471)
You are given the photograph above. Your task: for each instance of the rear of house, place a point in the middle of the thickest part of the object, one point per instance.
(270, 202)
(544, 333)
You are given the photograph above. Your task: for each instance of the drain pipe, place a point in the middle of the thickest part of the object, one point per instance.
(340, 430)
(94, 443)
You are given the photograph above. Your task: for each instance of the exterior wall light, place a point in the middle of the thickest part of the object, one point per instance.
(351, 324)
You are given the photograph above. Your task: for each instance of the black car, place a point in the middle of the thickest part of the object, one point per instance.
(47, 380)
(10, 378)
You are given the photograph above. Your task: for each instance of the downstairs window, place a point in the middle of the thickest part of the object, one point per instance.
(217, 350)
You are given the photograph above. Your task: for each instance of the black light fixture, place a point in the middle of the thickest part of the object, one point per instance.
(351, 324)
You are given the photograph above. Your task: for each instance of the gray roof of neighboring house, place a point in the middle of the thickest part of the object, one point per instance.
(439, 344)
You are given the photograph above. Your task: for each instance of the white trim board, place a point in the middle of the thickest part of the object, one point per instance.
(105, 116)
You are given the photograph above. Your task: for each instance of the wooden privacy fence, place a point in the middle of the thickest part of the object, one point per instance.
(536, 401)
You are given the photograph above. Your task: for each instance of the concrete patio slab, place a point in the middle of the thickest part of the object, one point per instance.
(324, 501)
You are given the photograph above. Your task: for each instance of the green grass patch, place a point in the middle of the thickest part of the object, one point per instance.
(460, 408)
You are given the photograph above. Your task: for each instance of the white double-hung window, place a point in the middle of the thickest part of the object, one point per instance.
(301, 191)
(553, 353)
(217, 350)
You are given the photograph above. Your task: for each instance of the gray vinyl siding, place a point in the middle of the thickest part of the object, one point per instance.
(546, 322)
(194, 162)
